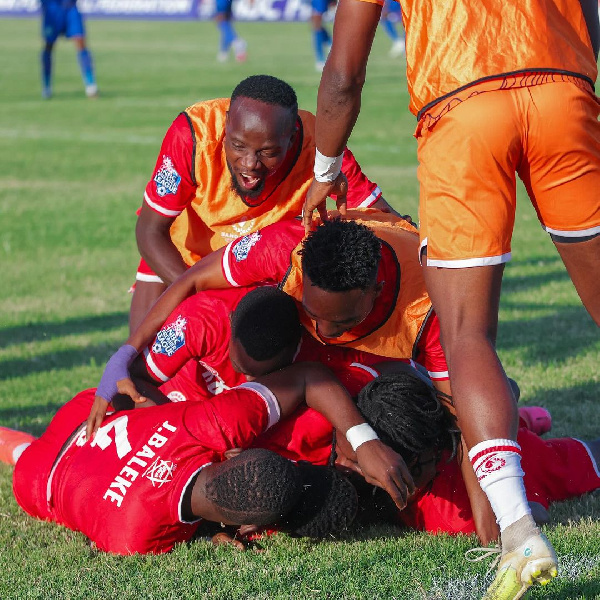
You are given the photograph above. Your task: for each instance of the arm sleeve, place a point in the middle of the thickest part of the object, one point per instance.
(362, 192)
(429, 350)
(262, 257)
(172, 186)
(182, 336)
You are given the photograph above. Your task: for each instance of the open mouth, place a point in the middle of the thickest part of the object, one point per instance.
(249, 182)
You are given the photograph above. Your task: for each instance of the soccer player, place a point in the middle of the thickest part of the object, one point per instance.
(321, 37)
(389, 24)
(496, 93)
(228, 167)
(229, 39)
(148, 476)
(62, 17)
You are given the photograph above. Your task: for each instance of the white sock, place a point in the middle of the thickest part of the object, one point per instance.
(497, 465)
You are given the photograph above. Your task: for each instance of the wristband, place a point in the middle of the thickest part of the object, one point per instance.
(359, 434)
(327, 168)
(117, 368)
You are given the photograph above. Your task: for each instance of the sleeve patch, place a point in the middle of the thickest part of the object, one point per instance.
(241, 248)
(167, 179)
(171, 338)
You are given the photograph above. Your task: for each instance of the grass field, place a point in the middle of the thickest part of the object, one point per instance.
(72, 175)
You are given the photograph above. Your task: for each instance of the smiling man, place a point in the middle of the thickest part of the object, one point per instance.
(226, 168)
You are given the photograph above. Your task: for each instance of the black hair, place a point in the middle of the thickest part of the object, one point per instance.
(408, 416)
(267, 89)
(256, 487)
(339, 256)
(266, 322)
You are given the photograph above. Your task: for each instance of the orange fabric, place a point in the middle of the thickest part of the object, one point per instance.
(454, 43)
(206, 224)
(467, 205)
(396, 335)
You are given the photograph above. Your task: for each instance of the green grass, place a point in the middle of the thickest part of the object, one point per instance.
(73, 174)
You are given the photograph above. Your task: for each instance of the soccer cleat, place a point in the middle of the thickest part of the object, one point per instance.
(12, 444)
(319, 66)
(536, 419)
(398, 48)
(240, 49)
(91, 90)
(222, 56)
(534, 561)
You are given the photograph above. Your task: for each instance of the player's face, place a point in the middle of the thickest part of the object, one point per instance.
(251, 368)
(257, 139)
(334, 313)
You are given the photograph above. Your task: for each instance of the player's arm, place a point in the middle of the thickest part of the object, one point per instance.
(170, 190)
(314, 384)
(338, 101)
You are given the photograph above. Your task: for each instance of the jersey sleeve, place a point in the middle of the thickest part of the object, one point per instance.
(429, 350)
(234, 418)
(183, 336)
(172, 186)
(362, 192)
(262, 257)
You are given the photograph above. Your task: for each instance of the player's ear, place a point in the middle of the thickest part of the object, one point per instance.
(232, 453)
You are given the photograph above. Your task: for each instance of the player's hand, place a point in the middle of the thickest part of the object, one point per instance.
(316, 198)
(100, 406)
(223, 538)
(383, 467)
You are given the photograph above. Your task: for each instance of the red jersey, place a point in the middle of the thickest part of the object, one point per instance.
(124, 490)
(264, 257)
(555, 469)
(191, 181)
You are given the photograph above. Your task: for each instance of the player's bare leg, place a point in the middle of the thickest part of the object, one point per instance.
(144, 295)
(582, 260)
(467, 302)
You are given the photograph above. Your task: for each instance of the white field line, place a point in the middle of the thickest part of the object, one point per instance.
(571, 567)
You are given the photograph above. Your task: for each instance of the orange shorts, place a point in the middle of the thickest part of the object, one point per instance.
(548, 134)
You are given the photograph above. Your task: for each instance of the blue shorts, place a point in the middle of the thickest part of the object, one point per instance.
(59, 20)
(223, 6)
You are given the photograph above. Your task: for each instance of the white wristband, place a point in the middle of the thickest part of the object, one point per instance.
(359, 434)
(327, 168)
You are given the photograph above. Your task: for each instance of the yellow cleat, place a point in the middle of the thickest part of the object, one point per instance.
(534, 561)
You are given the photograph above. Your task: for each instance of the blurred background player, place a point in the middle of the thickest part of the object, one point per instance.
(229, 39)
(391, 15)
(62, 17)
(321, 37)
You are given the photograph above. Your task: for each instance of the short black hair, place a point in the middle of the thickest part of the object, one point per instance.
(408, 416)
(340, 255)
(266, 322)
(257, 487)
(267, 89)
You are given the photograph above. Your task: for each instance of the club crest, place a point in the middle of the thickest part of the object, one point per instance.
(167, 179)
(160, 472)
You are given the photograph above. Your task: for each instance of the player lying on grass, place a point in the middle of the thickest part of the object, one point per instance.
(228, 167)
(148, 476)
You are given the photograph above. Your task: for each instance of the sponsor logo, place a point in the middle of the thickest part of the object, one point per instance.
(489, 465)
(160, 472)
(214, 384)
(243, 247)
(171, 338)
(176, 396)
(167, 179)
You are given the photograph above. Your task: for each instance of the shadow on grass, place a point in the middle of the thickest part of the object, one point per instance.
(556, 337)
(62, 359)
(35, 332)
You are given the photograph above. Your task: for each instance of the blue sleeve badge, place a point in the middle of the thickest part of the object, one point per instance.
(167, 179)
(171, 338)
(241, 249)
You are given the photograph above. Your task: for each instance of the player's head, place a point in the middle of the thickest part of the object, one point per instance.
(265, 332)
(259, 130)
(340, 260)
(408, 416)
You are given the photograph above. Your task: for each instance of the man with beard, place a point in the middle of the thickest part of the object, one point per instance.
(226, 168)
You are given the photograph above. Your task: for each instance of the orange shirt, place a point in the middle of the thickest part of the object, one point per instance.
(451, 44)
(191, 181)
